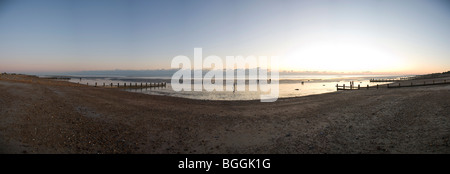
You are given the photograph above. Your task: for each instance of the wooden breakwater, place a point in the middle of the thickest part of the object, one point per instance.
(392, 85)
(411, 84)
(384, 80)
(354, 87)
(392, 80)
(128, 85)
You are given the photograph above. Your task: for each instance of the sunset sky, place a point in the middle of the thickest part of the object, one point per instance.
(399, 36)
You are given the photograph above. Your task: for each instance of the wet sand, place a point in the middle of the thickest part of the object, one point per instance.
(50, 116)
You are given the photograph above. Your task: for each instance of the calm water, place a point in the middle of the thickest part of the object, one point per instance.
(289, 86)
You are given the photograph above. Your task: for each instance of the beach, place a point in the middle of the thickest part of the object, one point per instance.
(50, 116)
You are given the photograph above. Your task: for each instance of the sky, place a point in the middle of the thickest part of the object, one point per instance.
(386, 36)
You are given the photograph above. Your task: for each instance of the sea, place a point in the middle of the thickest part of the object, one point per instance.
(288, 85)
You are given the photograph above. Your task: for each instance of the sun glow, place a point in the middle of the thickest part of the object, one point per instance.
(340, 57)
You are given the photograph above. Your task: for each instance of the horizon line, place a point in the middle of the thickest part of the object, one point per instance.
(173, 69)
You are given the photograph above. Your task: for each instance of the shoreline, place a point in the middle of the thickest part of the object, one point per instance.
(49, 116)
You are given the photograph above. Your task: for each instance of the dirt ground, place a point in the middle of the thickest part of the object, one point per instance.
(49, 116)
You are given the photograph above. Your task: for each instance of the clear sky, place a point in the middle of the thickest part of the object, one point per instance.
(403, 36)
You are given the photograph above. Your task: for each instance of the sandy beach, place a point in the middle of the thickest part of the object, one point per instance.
(50, 116)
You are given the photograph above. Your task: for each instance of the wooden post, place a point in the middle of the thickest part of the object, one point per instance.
(103, 84)
(87, 83)
(343, 87)
(125, 85)
(358, 86)
(111, 85)
(398, 84)
(135, 84)
(377, 86)
(145, 84)
(337, 88)
(387, 85)
(130, 84)
(95, 84)
(367, 86)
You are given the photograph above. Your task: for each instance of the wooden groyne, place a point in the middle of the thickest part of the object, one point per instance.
(392, 85)
(129, 85)
(383, 80)
(352, 87)
(401, 85)
(392, 80)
